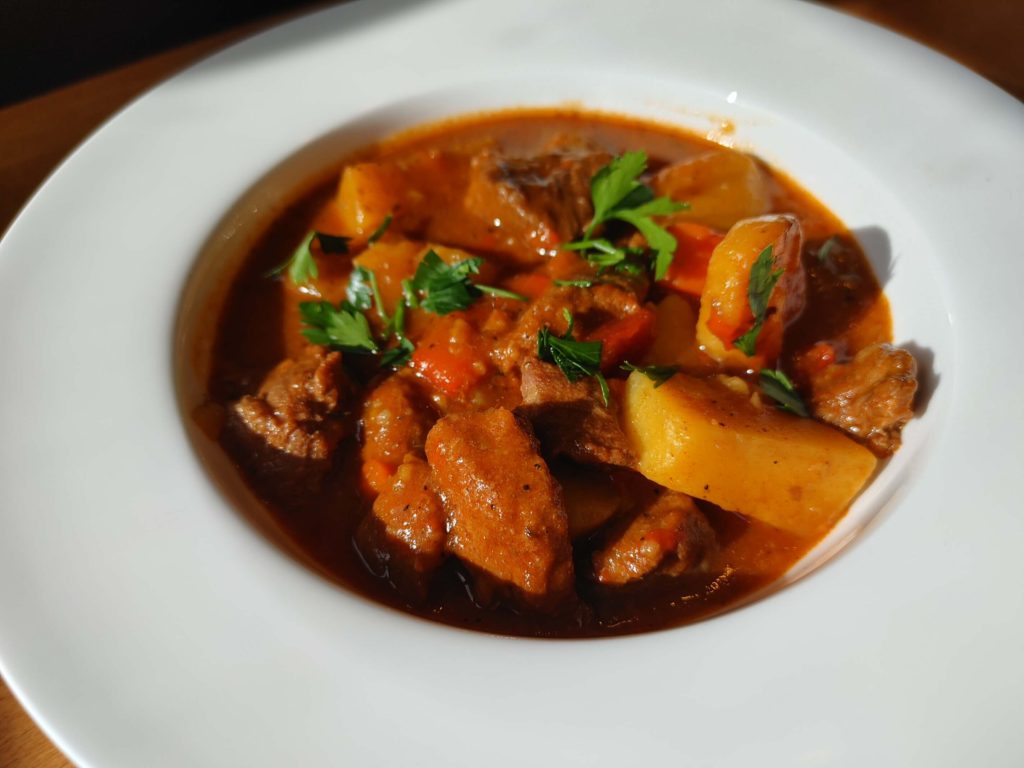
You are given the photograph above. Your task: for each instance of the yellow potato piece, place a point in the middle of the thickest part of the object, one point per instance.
(724, 304)
(698, 437)
(675, 336)
(367, 193)
(722, 186)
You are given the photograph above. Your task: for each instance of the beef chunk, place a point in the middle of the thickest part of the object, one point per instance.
(536, 203)
(591, 308)
(395, 421)
(591, 496)
(871, 396)
(670, 536)
(503, 510)
(570, 417)
(296, 410)
(402, 537)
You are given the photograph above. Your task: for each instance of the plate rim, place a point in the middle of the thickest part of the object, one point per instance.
(196, 71)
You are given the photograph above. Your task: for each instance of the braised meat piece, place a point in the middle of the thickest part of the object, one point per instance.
(503, 510)
(395, 421)
(670, 536)
(871, 397)
(591, 496)
(402, 537)
(297, 408)
(570, 417)
(536, 203)
(590, 307)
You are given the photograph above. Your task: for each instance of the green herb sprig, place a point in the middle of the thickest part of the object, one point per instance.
(301, 266)
(578, 283)
(779, 388)
(343, 327)
(444, 288)
(575, 359)
(659, 374)
(762, 282)
(617, 194)
(436, 287)
(378, 233)
(363, 294)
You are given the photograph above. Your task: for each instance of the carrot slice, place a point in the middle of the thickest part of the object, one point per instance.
(530, 284)
(689, 268)
(449, 357)
(625, 338)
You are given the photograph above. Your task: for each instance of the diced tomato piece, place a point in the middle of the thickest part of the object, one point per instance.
(689, 268)
(624, 338)
(449, 357)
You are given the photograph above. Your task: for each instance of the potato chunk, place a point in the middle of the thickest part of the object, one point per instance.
(367, 193)
(722, 186)
(725, 312)
(698, 437)
(675, 337)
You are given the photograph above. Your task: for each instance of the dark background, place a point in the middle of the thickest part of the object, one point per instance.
(45, 44)
(48, 43)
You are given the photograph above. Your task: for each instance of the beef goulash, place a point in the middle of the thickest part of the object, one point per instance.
(559, 374)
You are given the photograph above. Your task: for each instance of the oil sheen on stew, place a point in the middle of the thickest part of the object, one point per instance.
(556, 374)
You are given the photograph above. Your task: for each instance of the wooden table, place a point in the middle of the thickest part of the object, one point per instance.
(36, 135)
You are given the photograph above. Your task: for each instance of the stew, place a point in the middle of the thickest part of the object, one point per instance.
(553, 373)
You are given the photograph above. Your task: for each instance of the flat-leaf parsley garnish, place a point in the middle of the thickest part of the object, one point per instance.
(762, 282)
(444, 288)
(779, 388)
(363, 293)
(659, 374)
(378, 233)
(343, 327)
(575, 359)
(617, 194)
(301, 266)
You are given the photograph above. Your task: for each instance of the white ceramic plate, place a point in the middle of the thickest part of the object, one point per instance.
(143, 622)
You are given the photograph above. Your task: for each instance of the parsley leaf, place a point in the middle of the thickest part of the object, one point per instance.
(826, 248)
(445, 288)
(301, 265)
(343, 327)
(762, 282)
(360, 288)
(398, 355)
(616, 183)
(617, 193)
(575, 359)
(332, 244)
(603, 254)
(490, 290)
(363, 293)
(659, 374)
(378, 233)
(779, 388)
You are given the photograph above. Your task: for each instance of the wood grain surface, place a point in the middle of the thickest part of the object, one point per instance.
(35, 135)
